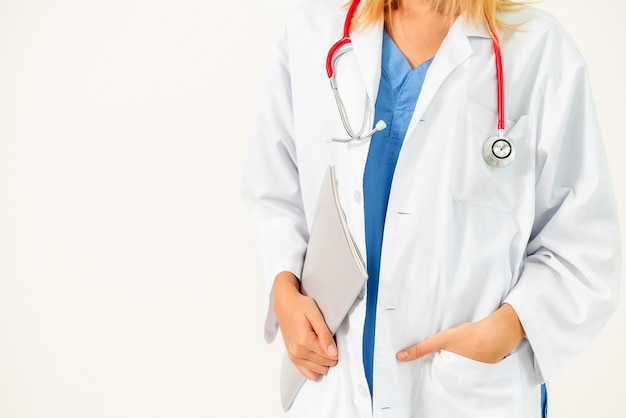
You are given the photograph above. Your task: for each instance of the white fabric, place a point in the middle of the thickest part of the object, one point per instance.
(460, 237)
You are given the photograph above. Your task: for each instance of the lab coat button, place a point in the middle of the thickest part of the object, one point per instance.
(364, 391)
(358, 196)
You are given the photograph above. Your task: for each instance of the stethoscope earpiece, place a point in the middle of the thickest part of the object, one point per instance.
(499, 151)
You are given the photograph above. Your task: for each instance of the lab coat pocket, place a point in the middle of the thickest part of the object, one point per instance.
(476, 182)
(469, 388)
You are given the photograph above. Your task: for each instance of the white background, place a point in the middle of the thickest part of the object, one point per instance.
(128, 280)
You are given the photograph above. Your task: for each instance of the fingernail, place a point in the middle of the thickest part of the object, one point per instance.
(403, 355)
(332, 350)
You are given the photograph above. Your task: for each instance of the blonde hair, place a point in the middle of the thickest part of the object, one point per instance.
(473, 10)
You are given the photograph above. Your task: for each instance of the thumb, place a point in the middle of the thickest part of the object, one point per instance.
(429, 345)
(324, 335)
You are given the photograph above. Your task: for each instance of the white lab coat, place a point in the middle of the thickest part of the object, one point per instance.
(460, 237)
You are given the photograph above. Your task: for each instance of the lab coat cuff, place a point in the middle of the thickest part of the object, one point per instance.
(536, 334)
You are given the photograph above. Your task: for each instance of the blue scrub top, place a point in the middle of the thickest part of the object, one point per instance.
(398, 92)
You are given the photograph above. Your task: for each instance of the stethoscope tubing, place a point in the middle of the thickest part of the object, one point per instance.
(345, 39)
(499, 80)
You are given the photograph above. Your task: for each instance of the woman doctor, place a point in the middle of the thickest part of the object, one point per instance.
(489, 232)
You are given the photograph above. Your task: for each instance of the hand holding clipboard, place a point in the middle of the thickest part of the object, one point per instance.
(333, 274)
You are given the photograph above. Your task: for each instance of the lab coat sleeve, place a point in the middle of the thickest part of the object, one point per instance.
(570, 281)
(271, 187)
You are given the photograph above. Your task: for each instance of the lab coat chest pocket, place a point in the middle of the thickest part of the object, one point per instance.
(476, 182)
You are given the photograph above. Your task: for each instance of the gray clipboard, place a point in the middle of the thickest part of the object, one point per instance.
(333, 274)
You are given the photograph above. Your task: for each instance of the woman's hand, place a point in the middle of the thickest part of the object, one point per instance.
(309, 343)
(488, 340)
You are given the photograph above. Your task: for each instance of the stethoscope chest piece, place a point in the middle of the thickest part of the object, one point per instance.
(499, 151)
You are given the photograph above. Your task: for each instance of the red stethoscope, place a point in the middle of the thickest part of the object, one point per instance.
(498, 151)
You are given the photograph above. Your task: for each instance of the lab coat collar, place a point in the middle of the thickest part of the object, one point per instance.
(368, 45)
(454, 50)
(473, 30)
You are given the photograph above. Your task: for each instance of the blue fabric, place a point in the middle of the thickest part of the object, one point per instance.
(398, 92)
(544, 401)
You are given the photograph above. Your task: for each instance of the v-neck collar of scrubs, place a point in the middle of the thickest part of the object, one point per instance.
(404, 84)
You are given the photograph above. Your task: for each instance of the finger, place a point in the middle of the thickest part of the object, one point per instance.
(324, 336)
(429, 345)
(311, 375)
(299, 353)
(307, 347)
(321, 360)
(311, 370)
